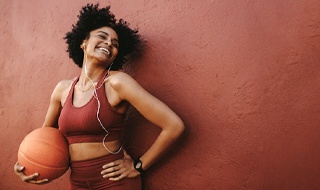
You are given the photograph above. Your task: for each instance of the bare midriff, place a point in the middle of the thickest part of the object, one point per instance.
(87, 151)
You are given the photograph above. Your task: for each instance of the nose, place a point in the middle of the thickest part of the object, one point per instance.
(107, 41)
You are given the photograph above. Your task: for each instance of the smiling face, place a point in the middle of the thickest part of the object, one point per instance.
(102, 45)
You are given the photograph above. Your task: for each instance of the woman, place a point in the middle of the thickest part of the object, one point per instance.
(90, 109)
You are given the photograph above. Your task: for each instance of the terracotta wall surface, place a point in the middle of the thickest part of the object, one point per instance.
(243, 75)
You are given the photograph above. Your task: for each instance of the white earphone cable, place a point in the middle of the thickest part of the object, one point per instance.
(95, 95)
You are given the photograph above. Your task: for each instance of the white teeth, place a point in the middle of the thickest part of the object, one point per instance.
(105, 50)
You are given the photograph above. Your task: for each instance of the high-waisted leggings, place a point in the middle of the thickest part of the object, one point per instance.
(86, 175)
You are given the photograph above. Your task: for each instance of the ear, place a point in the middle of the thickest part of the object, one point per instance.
(83, 45)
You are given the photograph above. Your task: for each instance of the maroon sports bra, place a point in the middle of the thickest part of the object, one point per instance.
(80, 124)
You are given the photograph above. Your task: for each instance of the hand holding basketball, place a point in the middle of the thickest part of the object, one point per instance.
(29, 179)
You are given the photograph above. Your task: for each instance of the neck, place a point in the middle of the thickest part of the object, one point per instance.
(89, 75)
(91, 71)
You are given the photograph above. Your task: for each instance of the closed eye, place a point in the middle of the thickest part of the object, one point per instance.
(115, 45)
(102, 36)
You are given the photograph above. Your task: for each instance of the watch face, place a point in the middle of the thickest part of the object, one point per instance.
(138, 165)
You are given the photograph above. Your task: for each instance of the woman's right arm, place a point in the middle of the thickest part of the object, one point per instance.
(51, 120)
(53, 113)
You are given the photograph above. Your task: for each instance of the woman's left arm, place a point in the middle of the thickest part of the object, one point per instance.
(154, 110)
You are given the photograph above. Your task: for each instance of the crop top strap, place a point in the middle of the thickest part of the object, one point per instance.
(70, 95)
(102, 78)
(99, 84)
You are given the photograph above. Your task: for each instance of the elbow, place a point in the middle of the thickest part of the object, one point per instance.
(178, 128)
(173, 129)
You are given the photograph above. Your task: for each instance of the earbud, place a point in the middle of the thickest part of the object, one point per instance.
(83, 45)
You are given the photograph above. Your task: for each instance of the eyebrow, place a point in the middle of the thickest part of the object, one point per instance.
(108, 35)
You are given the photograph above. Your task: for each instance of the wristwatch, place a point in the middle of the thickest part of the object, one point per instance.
(138, 165)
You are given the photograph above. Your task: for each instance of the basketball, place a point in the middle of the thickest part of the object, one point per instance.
(44, 151)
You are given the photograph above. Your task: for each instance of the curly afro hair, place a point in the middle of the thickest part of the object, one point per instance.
(92, 17)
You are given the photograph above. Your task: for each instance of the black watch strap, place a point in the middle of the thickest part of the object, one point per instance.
(138, 165)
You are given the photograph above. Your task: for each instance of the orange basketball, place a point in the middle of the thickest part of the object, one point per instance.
(44, 151)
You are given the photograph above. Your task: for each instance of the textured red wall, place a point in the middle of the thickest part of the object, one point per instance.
(243, 75)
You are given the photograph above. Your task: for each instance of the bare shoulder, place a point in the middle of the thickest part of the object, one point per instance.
(118, 79)
(61, 88)
(63, 84)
